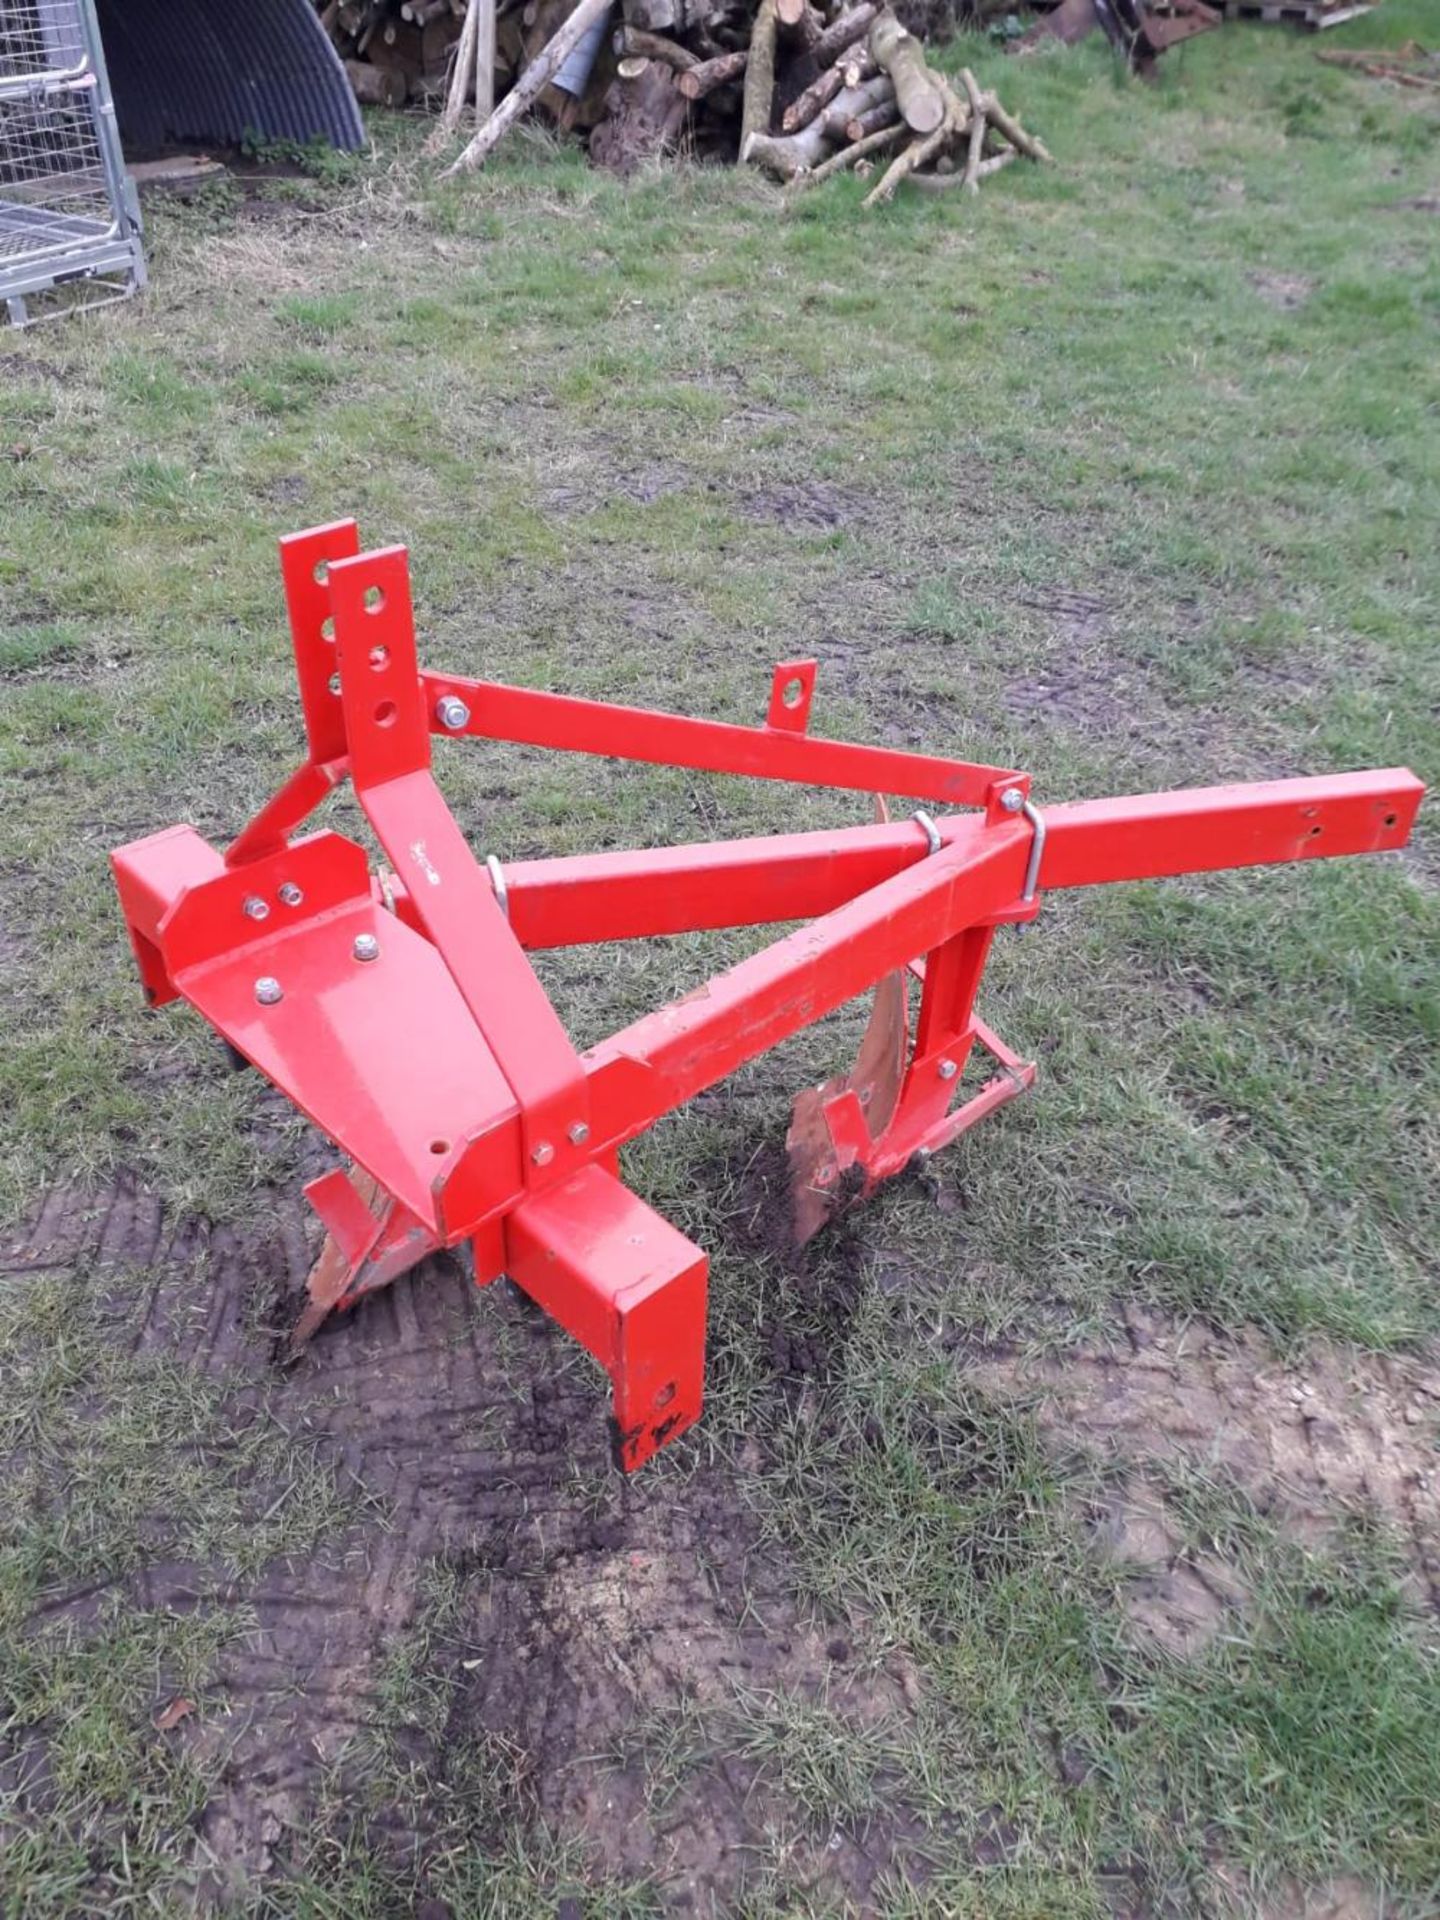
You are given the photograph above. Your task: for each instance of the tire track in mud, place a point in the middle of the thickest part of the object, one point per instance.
(479, 1434)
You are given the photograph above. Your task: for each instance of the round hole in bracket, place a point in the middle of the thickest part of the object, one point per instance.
(321, 572)
(439, 1146)
(1315, 833)
(327, 627)
(374, 600)
(379, 658)
(792, 693)
(334, 683)
(385, 714)
(1392, 820)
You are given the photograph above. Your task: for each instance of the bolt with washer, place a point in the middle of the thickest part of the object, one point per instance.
(268, 990)
(452, 712)
(366, 947)
(256, 909)
(578, 1133)
(1012, 800)
(290, 894)
(947, 1069)
(542, 1153)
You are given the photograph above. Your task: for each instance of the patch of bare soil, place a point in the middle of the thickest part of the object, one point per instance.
(810, 503)
(28, 366)
(1346, 1898)
(1077, 619)
(1287, 291)
(1312, 1445)
(587, 1602)
(594, 486)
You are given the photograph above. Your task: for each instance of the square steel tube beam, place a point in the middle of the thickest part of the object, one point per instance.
(629, 1287)
(578, 899)
(667, 1057)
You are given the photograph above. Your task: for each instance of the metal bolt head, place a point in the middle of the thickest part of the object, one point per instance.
(452, 712)
(947, 1069)
(268, 990)
(1012, 800)
(578, 1133)
(542, 1153)
(290, 894)
(256, 908)
(366, 947)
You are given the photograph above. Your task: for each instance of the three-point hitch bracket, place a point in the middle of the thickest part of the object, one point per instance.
(399, 1010)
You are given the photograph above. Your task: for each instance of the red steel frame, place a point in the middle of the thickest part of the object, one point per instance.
(399, 1010)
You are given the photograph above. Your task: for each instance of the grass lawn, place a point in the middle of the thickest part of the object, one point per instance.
(1063, 1539)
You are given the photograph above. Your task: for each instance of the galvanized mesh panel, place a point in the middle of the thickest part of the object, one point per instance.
(37, 38)
(64, 212)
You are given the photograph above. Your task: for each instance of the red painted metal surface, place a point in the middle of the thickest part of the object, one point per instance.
(400, 1012)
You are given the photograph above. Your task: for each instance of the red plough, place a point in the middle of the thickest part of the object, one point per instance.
(400, 1012)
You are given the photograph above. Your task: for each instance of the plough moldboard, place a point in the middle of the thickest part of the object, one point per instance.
(399, 1010)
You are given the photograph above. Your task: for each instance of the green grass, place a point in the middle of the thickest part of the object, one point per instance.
(1127, 473)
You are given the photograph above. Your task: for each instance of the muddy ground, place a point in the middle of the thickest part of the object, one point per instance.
(476, 1434)
(584, 1608)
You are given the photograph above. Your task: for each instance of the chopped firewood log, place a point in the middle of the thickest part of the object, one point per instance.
(847, 157)
(644, 114)
(816, 96)
(377, 86)
(696, 82)
(977, 130)
(1013, 131)
(938, 182)
(882, 114)
(785, 155)
(848, 71)
(486, 57)
(854, 103)
(922, 104)
(916, 155)
(798, 24)
(843, 32)
(635, 42)
(759, 77)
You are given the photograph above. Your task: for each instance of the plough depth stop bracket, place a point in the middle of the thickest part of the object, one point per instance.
(399, 1010)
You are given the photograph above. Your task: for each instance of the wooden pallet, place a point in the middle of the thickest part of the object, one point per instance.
(1310, 16)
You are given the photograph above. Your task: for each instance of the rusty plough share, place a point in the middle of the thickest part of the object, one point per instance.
(400, 1012)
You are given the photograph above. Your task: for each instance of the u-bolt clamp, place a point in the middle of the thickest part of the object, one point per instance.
(928, 827)
(1014, 801)
(1033, 814)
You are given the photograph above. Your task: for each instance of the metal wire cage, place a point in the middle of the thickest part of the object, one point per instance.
(69, 219)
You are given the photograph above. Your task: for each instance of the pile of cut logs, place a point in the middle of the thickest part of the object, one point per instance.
(802, 88)
(394, 50)
(877, 96)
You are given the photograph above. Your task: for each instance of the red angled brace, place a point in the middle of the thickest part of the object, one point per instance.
(399, 1010)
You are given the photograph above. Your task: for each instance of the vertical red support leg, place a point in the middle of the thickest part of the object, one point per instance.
(630, 1288)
